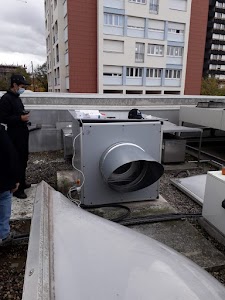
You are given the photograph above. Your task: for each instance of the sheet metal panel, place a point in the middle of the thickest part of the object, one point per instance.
(74, 254)
(208, 117)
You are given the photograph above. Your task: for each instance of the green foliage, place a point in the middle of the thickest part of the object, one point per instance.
(212, 86)
(4, 82)
(38, 79)
(5, 79)
(40, 75)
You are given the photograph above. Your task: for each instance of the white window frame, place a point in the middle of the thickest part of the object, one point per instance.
(112, 74)
(219, 26)
(134, 72)
(138, 1)
(219, 15)
(153, 73)
(155, 50)
(154, 6)
(174, 51)
(135, 27)
(218, 47)
(113, 20)
(173, 74)
(175, 31)
(156, 30)
(216, 57)
(139, 52)
(113, 50)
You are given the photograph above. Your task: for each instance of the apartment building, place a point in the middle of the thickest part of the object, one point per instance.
(123, 46)
(214, 63)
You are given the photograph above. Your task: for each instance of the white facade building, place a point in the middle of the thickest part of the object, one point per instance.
(141, 46)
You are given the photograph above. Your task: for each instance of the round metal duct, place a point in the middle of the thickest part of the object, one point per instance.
(126, 167)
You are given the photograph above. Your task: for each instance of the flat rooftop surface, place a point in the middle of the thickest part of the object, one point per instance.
(179, 235)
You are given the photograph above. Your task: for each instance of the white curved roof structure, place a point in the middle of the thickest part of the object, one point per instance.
(76, 255)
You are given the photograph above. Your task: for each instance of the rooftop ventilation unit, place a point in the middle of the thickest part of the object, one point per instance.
(118, 159)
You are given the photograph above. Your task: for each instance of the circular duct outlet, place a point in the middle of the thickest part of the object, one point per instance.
(126, 167)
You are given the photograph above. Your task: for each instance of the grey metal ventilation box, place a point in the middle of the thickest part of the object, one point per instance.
(120, 159)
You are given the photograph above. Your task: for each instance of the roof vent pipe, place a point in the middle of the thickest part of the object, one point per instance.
(126, 167)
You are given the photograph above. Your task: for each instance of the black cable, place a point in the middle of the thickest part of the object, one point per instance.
(118, 219)
(21, 236)
(159, 218)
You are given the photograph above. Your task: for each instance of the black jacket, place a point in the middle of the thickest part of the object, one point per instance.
(11, 109)
(9, 165)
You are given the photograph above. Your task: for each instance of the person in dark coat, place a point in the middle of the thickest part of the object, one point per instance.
(13, 114)
(9, 178)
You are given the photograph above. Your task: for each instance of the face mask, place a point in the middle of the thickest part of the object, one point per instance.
(20, 91)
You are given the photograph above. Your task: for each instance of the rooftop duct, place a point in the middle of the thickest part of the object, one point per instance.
(126, 167)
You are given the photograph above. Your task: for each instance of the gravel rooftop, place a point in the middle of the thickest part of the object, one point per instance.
(43, 166)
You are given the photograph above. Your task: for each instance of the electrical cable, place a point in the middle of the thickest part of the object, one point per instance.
(75, 188)
(21, 236)
(159, 218)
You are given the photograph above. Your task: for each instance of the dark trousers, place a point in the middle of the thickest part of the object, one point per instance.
(20, 139)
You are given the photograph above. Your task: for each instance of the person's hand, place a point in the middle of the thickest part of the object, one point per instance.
(25, 118)
(16, 188)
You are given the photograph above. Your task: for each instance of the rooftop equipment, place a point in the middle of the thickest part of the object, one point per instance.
(208, 115)
(117, 160)
(214, 200)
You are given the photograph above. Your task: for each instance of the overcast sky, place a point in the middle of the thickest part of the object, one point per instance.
(22, 37)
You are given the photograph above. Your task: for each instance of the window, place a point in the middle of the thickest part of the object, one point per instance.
(113, 20)
(212, 67)
(173, 74)
(139, 52)
(57, 53)
(219, 26)
(219, 4)
(134, 72)
(220, 37)
(112, 71)
(217, 57)
(135, 23)
(174, 51)
(218, 47)
(138, 1)
(180, 5)
(153, 73)
(154, 6)
(219, 15)
(113, 46)
(177, 31)
(112, 74)
(157, 50)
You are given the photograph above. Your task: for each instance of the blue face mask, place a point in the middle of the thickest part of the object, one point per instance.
(20, 91)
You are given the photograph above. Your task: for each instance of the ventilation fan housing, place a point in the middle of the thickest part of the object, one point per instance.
(120, 159)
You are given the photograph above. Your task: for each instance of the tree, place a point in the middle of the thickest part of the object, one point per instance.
(212, 86)
(8, 72)
(40, 77)
(4, 83)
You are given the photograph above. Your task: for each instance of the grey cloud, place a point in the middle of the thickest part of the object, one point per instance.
(22, 27)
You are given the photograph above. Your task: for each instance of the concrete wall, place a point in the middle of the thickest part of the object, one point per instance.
(51, 111)
(100, 100)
